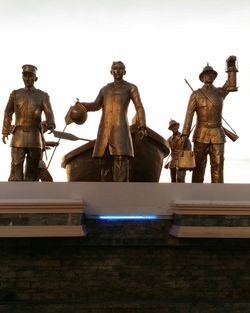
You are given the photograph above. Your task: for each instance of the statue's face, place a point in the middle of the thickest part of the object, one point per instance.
(118, 71)
(175, 128)
(29, 79)
(208, 77)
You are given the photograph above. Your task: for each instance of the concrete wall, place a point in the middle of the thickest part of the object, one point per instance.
(124, 198)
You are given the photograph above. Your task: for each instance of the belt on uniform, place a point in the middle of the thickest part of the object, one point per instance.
(27, 128)
(209, 125)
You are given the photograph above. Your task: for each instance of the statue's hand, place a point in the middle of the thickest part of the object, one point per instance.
(185, 141)
(4, 138)
(51, 127)
(142, 133)
(77, 102)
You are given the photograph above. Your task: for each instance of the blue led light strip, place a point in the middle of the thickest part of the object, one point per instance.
(127, 217)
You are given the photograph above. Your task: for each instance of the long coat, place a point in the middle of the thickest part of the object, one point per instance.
(28, 105)
(113, 130)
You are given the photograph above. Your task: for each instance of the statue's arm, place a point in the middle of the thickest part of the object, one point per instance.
(96, 105)
(189, 115)
(8, 112)
(47, 108)
(141, 116)
(224, 91)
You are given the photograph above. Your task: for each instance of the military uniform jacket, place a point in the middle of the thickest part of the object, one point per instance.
(207, 103)
(113, 130)
(28, 105)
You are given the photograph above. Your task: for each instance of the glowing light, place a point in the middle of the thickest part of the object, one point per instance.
(128, 217)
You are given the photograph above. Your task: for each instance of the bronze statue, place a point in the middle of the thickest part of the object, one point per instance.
(114, 143)
(177, 144)
(27, 142)
(209, 135)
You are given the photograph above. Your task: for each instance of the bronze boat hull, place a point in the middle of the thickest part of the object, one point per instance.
(146, 166)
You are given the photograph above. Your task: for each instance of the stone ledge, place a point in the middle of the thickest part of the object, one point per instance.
(41, 218)
(42, 231)
(204, 207)
(41, 205)
(210, 219)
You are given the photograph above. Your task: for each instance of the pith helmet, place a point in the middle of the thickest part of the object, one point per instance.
(29, 68)
(207, 69)
(172, 123)
(78, 114)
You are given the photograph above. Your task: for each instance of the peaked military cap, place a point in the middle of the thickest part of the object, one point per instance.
(29, 68)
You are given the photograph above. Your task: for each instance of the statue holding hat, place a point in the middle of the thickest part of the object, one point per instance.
(209, 134)
(177, 144)
(114, 145)
(27, 104)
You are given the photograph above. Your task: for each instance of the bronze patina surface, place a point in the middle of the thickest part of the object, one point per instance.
(209, 135)
(177, 144)
(146, 166)
(114, 143)
(27, 104)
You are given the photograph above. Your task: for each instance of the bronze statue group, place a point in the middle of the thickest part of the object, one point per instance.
(114, 147)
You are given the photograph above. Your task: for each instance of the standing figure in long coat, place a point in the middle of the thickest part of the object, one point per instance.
(114, 143)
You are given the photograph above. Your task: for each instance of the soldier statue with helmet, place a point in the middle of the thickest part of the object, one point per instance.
(209, 135)
(27, 142)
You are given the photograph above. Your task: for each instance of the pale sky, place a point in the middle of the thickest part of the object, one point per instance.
(73, 44)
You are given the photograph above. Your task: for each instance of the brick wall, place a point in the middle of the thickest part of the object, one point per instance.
(124, 267)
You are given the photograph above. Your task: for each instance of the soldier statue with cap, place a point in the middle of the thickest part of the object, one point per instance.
(209, 135)
(177, 144)
(27, 142)
(114, 143)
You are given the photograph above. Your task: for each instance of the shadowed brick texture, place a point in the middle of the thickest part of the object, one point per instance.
(124, 266)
